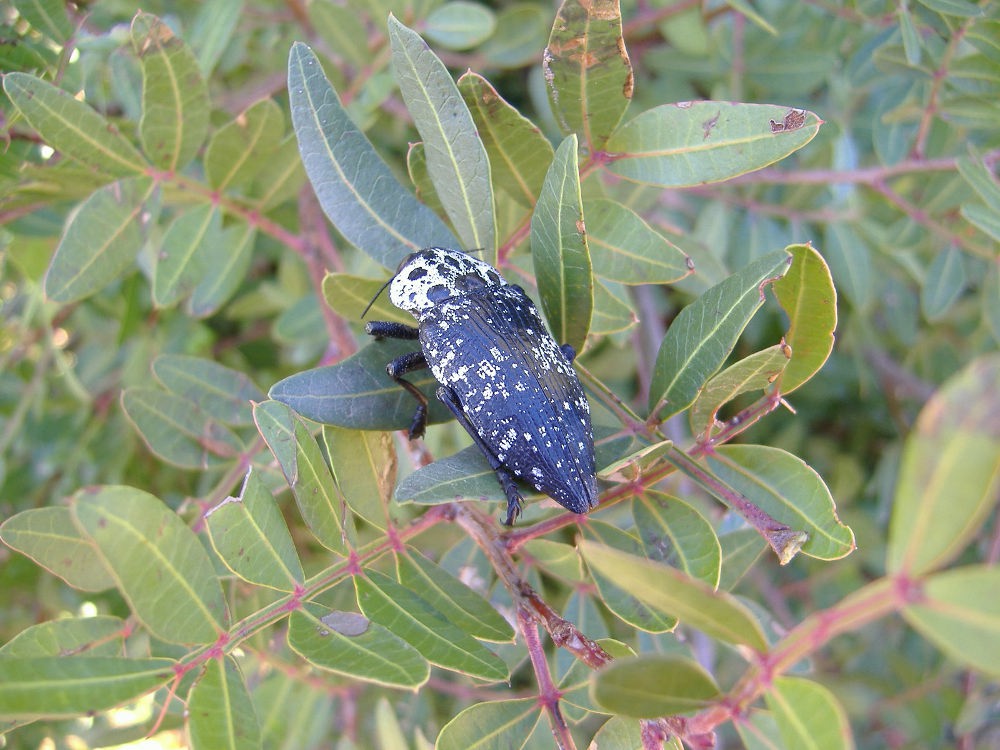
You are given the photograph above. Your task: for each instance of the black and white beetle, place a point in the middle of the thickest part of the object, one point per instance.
(502, 375)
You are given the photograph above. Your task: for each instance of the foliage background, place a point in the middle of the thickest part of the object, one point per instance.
(898, 192)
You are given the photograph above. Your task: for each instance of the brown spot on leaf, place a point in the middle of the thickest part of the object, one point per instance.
(709, 125)
(794, 119)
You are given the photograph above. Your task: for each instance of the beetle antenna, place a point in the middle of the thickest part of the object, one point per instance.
(380, 290)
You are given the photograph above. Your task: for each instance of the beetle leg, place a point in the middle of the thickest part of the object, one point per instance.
(450, 399)
(396, 369)
(569, 352)
(384, 329)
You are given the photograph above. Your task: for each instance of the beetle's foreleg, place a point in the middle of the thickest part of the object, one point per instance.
(385, 329)
(449, 398)
(396, 369)
(568, 351)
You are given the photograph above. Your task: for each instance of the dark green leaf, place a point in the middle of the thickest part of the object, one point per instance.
(357, 394)
(560, 253)
(356, 189)
(456, 157)
(705, 332)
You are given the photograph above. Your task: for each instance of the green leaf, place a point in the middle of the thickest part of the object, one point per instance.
(744, 8)
(182, 262)
(961, 8)
(519, 152)
(459, 25)
(944, 284)
(50, 538)
(958, 610)
(240, 148)
(355, 187)
(61, 687)
(356, 393)
(587, 70)
(807, 295)
(808, 715)
(364, 465)
(229, 258)
(220, 709)
(754, 373)
(102, 239)
(618, 598)
(984, 218)
(462, 475)
(175, 104)
(624, 248)
(458, 603)
(705, 332)
(695, 143)
(560, 252)
(520, 32)
(491, 725)
(279, 178)
(319, 500)
(251, 537)
(456, 157)
(790, 491)
(348, 644)
(676, 534)
(850, 260)
(221, 392)
(410, 617)
(100, 635)
(349, 295)
(624, 734)
(71, 127)
(343, 29)
(740, 550)
(668, 590)
(160, 566)
(212, 31)
(178, 432)
(975, 172)
(652, 685)
(950, 473)
(47, 17)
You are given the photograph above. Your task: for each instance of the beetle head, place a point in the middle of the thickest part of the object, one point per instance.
(429, 277)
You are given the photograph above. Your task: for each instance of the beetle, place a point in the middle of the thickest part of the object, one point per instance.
(501, 375)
